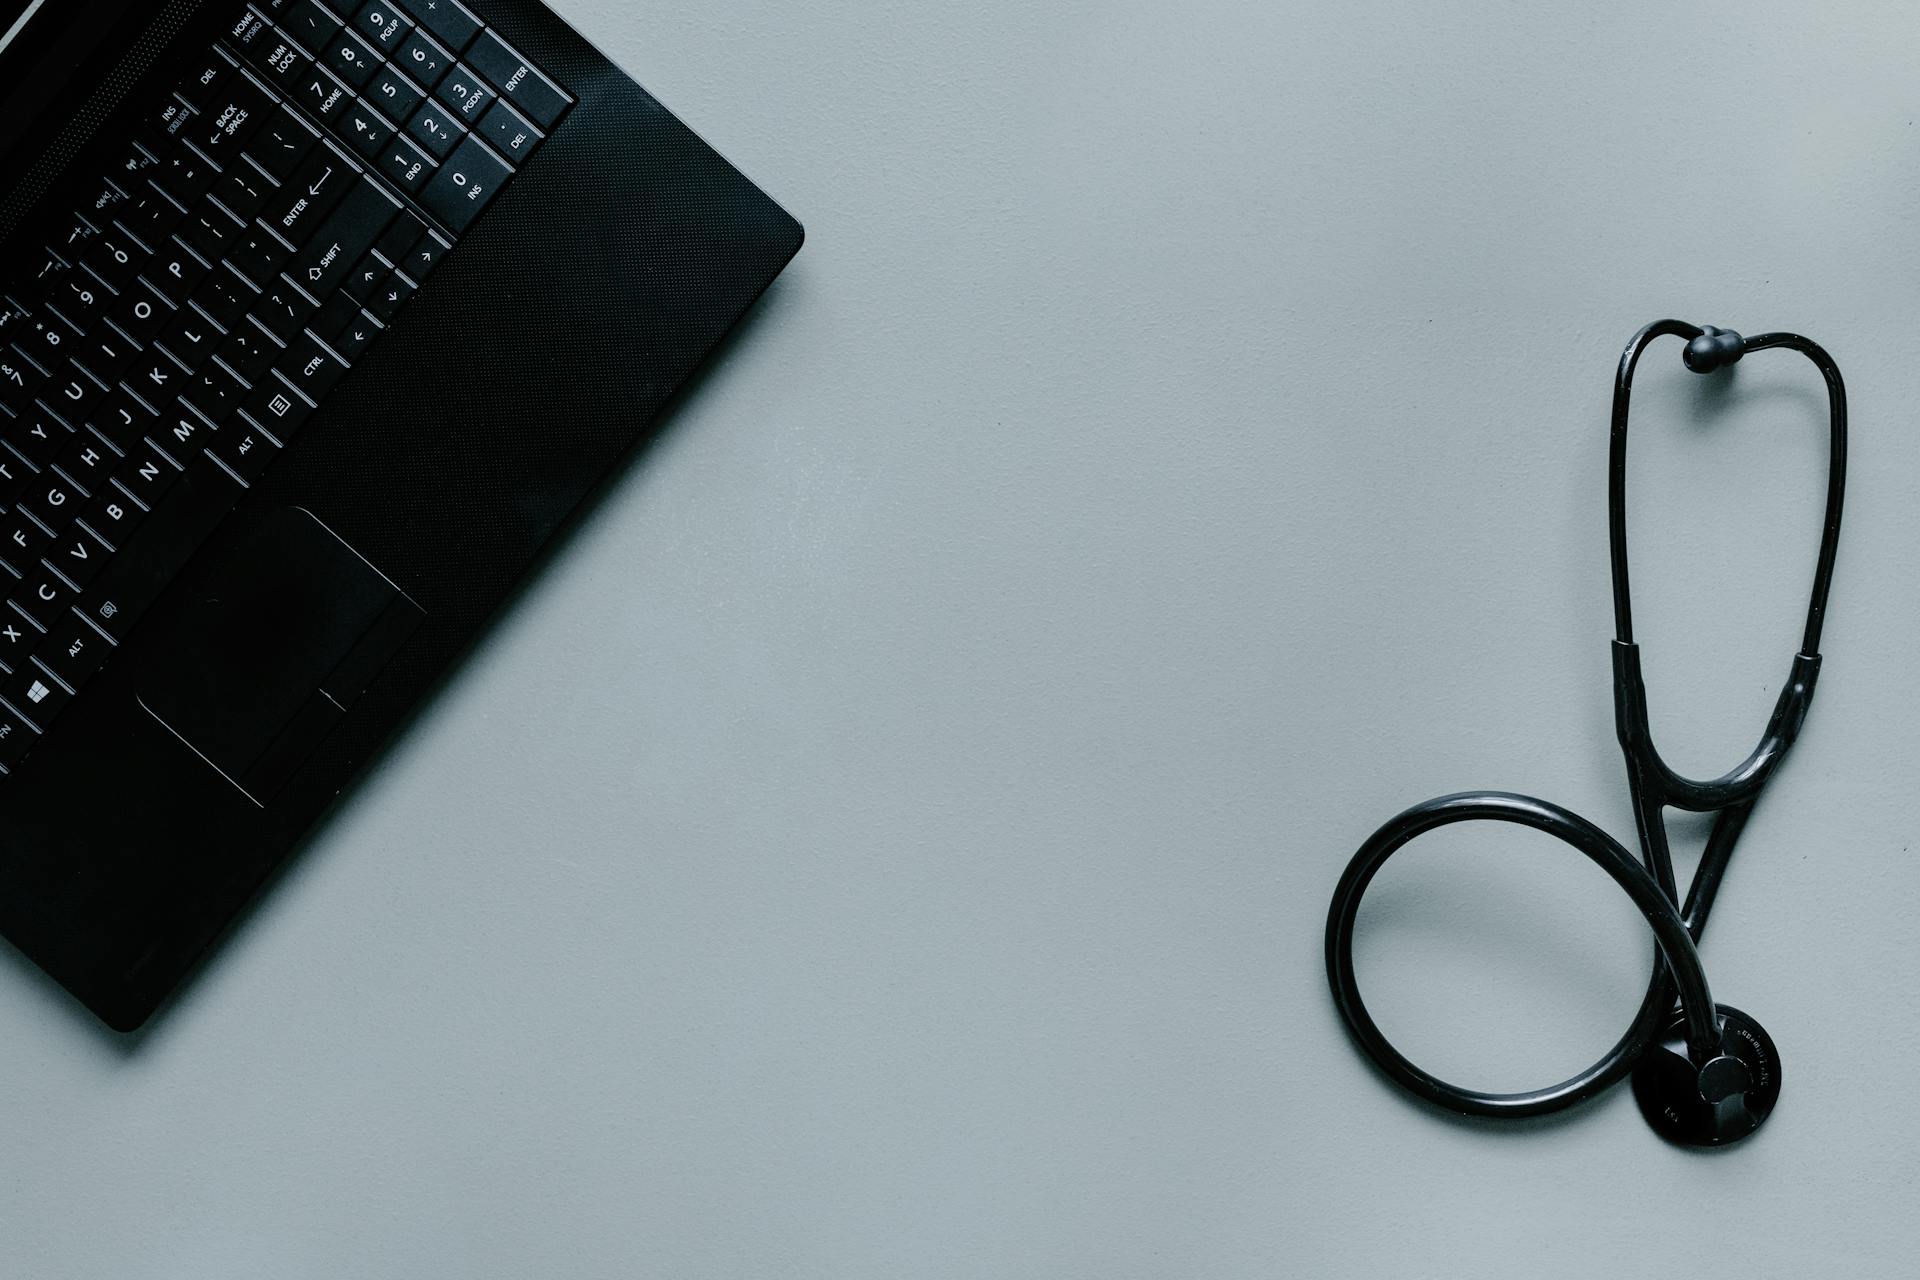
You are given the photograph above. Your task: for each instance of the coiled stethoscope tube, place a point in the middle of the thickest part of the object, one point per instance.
(1705, 1074)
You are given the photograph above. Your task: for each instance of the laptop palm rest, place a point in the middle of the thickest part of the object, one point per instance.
(276, 641)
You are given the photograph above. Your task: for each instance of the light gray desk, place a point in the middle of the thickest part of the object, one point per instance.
(893, 841)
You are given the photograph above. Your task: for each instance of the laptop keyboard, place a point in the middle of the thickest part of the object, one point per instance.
(249, 243)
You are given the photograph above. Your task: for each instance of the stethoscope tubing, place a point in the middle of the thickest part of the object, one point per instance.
(1669, 928)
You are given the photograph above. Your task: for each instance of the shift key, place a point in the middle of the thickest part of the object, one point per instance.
(344, 238)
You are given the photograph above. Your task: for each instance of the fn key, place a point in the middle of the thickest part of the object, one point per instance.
(467, 181)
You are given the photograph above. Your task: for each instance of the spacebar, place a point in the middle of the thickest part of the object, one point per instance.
(160, 547)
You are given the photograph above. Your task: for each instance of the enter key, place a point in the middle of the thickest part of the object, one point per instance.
(344, 238)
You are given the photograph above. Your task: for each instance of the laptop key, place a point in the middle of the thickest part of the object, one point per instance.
(20, 381)
(246, 450)
(36, 435)
(13, 318)
(310, 367)
(465, 93)
(424, 59)
(395, 95)
(52, 499)
(356, 336)
(394, 293)
(88, 461)
(209, 229)
(105, 354)
(366, 277)
(190, 338)
(225, 297)
(240, 108)
(275, 406)
(511, 135)
(243, 189)
(383, 24)
(519, 82)
(351, 58)
(284, 309)
(175, 273)
(425, 255)
(46, 339)
(405, 165)
(121, 418)
(71, 393)
(365, 129)
(141, 313)
(16, 738)
(147, 474)
(282, 143)
(465, 185)
(73, 650)
(184, 175)
(249, 351)
(309, 24)
(37, 695)
(434, 128)
(214, 392)
(21, 542)
(310, 194)
(78, 555)
(206, 78)
(151, 215)
(452, 21)
(323, 93)
(114, 257)
(42, 595)
(258, 255)
(112, 515)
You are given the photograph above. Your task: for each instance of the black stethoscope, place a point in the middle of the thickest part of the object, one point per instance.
(1703, 1074)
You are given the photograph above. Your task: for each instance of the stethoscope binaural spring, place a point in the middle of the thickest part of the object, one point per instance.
(1703, 1074)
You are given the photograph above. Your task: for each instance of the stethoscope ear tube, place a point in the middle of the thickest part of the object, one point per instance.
(1704, 1074)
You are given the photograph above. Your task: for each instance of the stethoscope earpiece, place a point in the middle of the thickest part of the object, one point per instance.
(1713, 349)
(1715, 1104)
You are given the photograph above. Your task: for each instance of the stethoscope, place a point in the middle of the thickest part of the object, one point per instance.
(1703, 1074)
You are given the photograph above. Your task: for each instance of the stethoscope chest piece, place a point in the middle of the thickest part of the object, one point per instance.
(1711, 1105)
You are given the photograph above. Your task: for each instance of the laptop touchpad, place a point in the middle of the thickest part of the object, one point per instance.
(277, 640)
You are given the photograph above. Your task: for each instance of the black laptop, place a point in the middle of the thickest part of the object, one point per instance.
(318, 319)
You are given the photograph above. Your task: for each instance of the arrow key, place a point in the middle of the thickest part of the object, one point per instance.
(394, 293)
(424, 256)
(356, 337)
(368, 276)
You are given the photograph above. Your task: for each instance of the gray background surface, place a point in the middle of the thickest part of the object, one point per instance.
(894, 840)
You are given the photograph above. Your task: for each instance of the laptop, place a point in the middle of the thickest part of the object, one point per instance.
(319, 318)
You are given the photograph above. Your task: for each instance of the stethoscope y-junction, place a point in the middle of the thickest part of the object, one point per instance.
(1703, 1074)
